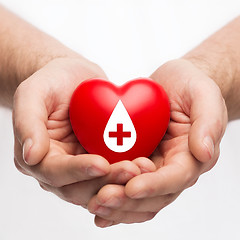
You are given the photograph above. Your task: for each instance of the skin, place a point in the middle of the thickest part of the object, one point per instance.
(189, 148)
(48, 150)
(203, 89)
(37, 78)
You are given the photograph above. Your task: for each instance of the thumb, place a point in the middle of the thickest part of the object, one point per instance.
(29, 118)
(209, 119)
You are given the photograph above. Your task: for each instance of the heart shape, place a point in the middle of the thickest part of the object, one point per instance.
(119, 122)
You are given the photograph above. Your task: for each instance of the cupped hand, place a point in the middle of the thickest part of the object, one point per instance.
(45, 145)
(189, 148)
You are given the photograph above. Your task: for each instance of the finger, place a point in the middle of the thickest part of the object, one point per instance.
(81, 192)
(18, 159)
(209, 118)
(123, 217)
(113, 197)
(63, 170)
(59, 170)
(181, 173)
(145, 164)
(29, 121)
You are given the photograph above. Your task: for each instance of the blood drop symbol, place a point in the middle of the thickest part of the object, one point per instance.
(120, 134)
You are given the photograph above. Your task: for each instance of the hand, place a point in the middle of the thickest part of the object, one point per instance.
(45, 146)
(189, 148)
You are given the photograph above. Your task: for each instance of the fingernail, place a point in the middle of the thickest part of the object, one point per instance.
(103, 211)
(26, 149)
(208, 142)
(95, 172)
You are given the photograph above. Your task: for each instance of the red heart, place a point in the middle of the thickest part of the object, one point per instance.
(119, 123)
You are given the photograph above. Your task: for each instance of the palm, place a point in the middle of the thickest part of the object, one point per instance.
(171, 147)
(173, 155)
(62, 138)
(45, 98)
(181, 83)
(197, 111)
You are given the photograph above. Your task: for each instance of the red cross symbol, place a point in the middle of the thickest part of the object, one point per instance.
(120, 134)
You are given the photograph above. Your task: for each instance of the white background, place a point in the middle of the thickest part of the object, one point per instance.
(128, 39)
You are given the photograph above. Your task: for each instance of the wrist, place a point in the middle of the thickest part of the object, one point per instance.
(24, 65)
(218, 57)
(24, 50)
(220, 67)
(30, 62)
